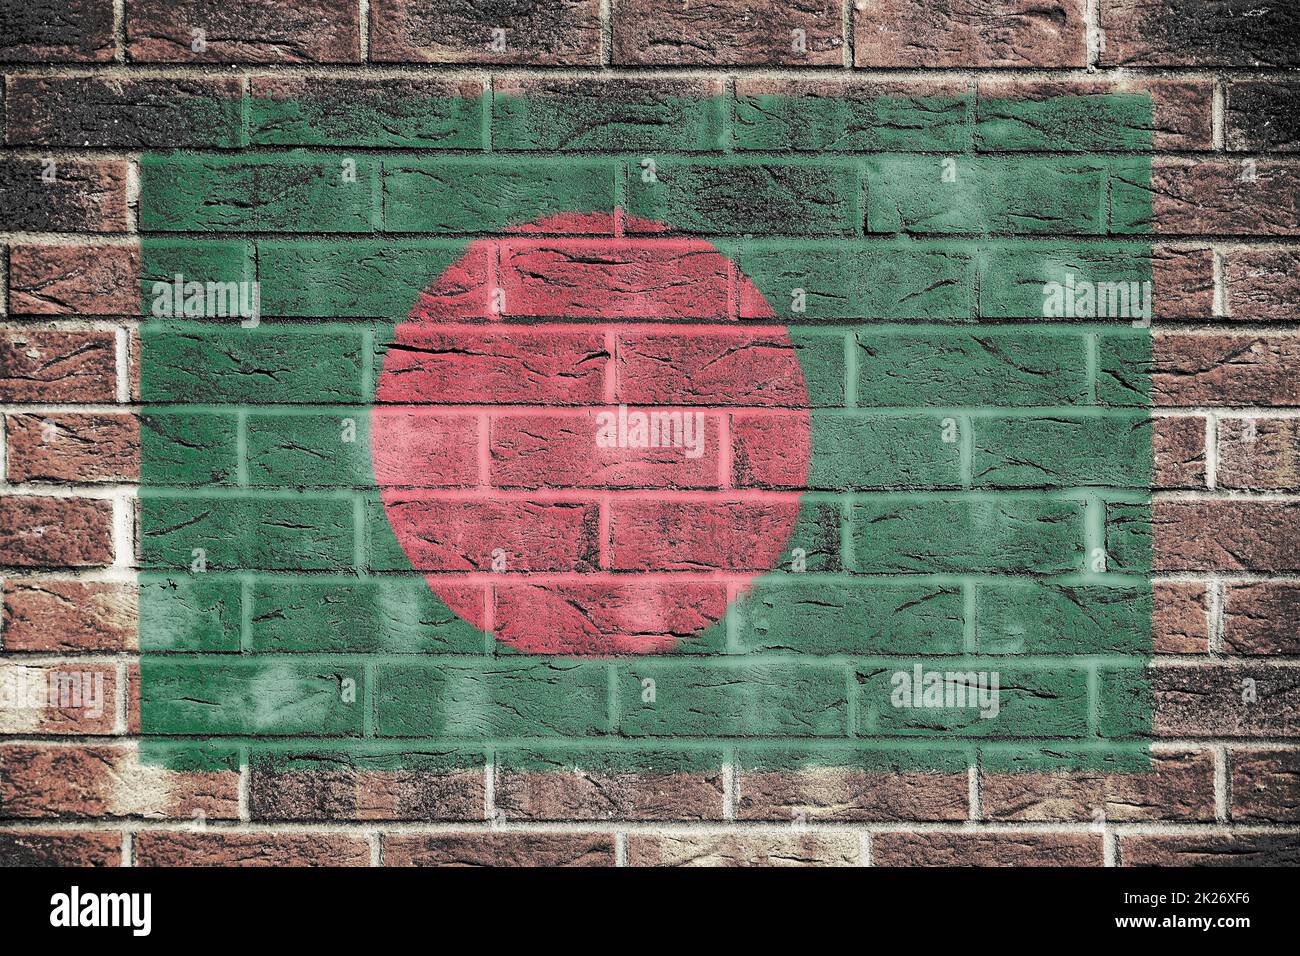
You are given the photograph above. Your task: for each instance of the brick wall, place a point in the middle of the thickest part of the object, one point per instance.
(108, 458)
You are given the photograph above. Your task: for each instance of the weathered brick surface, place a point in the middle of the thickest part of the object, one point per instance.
(215, 848)
(1259, 618)
(1247, 849)
(742, 849)
(500, 849)
(51, 615)
(994, 849)
(380, 596)
(1263, 284)
(73, 447)
(964, 33)
(60, 848)
(1265, 785)
(553, 32)
(242, 31)
(75, 196)
(41, 781)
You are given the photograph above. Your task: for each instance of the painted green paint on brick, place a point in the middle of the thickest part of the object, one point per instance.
(1027, 195)
(953, 368)
(213, 697)
(733, 699)
(193, 363)
(1029, 703)
(1015, 278)
(869, 452)
(1088, 122)
(350, 279)
(1129, 537)
(862, 280)
(188, 447)
(516, 697)
(1063, 451)
(476, 195)
(1126, 702)
(1124, 363)
(381, 615)
(294, 192)
(310, 450)
(1031, 617)
(817, 123)
(1010, 535)
(189, 612)
(786, 613)
(254, 533)
(738, 197)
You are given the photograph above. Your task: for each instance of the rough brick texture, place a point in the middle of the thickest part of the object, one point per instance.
(356, 582)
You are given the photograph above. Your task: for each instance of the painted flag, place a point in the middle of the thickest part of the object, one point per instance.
(551, 429)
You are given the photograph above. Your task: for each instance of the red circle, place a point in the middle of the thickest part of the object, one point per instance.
(534, 517)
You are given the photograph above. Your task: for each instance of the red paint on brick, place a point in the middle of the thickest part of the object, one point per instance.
(548, 497)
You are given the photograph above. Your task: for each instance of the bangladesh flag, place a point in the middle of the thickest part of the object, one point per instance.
(625, 431)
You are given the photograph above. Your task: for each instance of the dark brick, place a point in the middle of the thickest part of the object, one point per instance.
(500, 849)
(84, 196)
(730, 32)
(537, 32)
(1247, 849)
(56, 31)
(244, 31)
(969, 33)
(53, 848)
(1205, 33)
(1260, 618)
(1265, 785)
(1263, 116)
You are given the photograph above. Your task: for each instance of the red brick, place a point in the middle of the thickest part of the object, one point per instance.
(218, 848)
(1180, 618)
(74, 280)
(60, 848)
(606, 618)
(84, 196)
(1260, 618)
(615, 279)
(461, 534)
(1259, 453)
(46, 532)
(499, 849)
(1179, 448)
(1265, 785)
(986, 849)
(845, 793)
(1237, 849)
(47, 365)
(1178, 786)
(81, 447)
(351, 793)
(693, 535)
(542, 33)
(424, 450)
(744, 849)
(53, 616)
(727, 32)
(244, 31)
(560, 451)
(57, 31)
(469, 364)
(1229, 535)
(72, 698)
(744, 366)
(1180, 108)
(1263, 284)
(586, 794)
(1225, 700)
(1183, 280)
(1212, 197)
(49, 780)
(969, 33)
(1225, 369)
